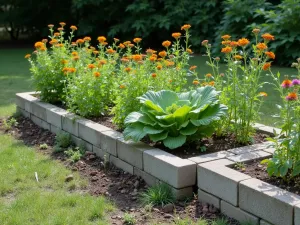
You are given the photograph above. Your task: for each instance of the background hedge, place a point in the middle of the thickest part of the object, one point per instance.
(155, 20)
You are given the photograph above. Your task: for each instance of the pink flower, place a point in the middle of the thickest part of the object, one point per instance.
(295, 82)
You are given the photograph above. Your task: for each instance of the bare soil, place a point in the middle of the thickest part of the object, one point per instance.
(256, 170)
(120, 187)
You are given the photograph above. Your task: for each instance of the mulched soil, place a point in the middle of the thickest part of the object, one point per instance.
(120, 187)
(256, 170)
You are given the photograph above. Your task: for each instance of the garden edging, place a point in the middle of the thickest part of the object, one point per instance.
(217, 184)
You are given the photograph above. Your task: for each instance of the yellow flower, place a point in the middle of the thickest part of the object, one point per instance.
(208, 75)
(87, 39)
(74, 53)
(97, 74)
(185, 27)
(188, 50)
(121, 45)
(122, 86)
(62, 24)
(110, 51)
(116, 39)
(238, 57)
(39, 45)
(196, 82)
(226, 50)
(243, 42)
(127, 69)
(153, 75)
(234, 44)
(261, 46)
(264, 94)
(271, 55)
(137, 57)
(91, 66)
(50, 26)
(101, 39)
(268, 37)
(176, 35)
(193, 67)
(63, 61)
(266, 66)
(137, 40)
(166, 44)
(226, 37)
(27, 56)
(79, 41)
(73, 27)
(159, 67)
(162, 54)
(56, 34)
(60, 29)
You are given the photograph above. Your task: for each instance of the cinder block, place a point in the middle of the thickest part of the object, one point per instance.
(217, 179)
(91, 131)
(269, 150)
(249, 148)
(182, 193)
(208, 198)
(54, 129)
(39, 109)
(81, 143)
(28, 99)
(132, 152)
(20, 102)
(149, 179)
(171, 169)
(238, 214)
(54, 115)
(23, 112)
(121, 164)
(250, 156)
(267, 201)
(263, 222)
(41, 123)
(109, 141)
(100, 153)
(297, 214)
(269, 130)
(211, 157)
(70, 123)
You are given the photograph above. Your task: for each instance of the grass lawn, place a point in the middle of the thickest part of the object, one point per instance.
(23, 200)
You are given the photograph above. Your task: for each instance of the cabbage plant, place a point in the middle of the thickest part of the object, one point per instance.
(174, 118)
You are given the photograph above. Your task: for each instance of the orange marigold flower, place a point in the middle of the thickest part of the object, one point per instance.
(73, 27)
(255, 31)
(162, 54)
(137, 40)
(122, 86)
(126, 43)
(50, 26)
(91, 66)
(166, 44)
(45, 40)
(101, 39)
(74, 44)
(266, 66)
(74, 53)
(226, 50)
(27, 56)
(95, 52)
(56, 34)
(227, 42)
(193, 67)
(226, 37)
(238, 57)
(76, 58)
(124, 60)
(152, 58)
(243, 42)
(116, 39)
(72, 70)
(104, 43)
(127, 69)
(268, 37)
(79, 41)
(271, 55)
(87, 39)
(196, 82)
(169, 63)
(53, 41)
(97, 74)
(159, 67)
(102, 61)
(263, 94)
(212, 83)
(292, 96)
(44, 48)
(131, 45)
(110, 51)
(188, 50)
(261, 46)
(286, 83)
(170, 81)
(137, 57)
(150, 51)
(176, 35)
(234, 44)
(62, 24)
(186, 27)
(153, 75)
(39, 44)
(121, 45)
(63, 61)
(60, 29)
(208, 75)
(60, 45)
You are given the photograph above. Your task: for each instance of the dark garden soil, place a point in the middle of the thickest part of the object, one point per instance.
(120, 187)
(256, 170)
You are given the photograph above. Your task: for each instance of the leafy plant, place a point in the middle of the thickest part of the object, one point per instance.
(63, 139)
(159, 194)
(43, 146)
(129, 219)
(285, 162)
(175, 118)
(74, 154)
(9, 123)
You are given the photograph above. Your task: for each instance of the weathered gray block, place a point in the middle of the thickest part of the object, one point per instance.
(100, 153)
(28, 98)
(297, 214)
(267, 201)
(91, 131)
(54, 129)
(20, 102)
(39, 109)
(132, 152)
(41, 123)
(217, 179)
(54, 115)
(121, 164)
(250, 156)
(149, 179)
(109, 141)
(211, 157)
(238, 214)
(263, 222)
(171, 169)
(269, 150)
(70, 123)
(182, 193)
(82, 143)
(23, 112)
(249, 148)
(269, 130)
(208, 198)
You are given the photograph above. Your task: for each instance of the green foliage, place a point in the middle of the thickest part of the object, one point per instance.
(175, 118)
(63, 139)
(282, 21)
(129, 219)
(75, 154)
(159, 194)
(43, 146)
(9, 123)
